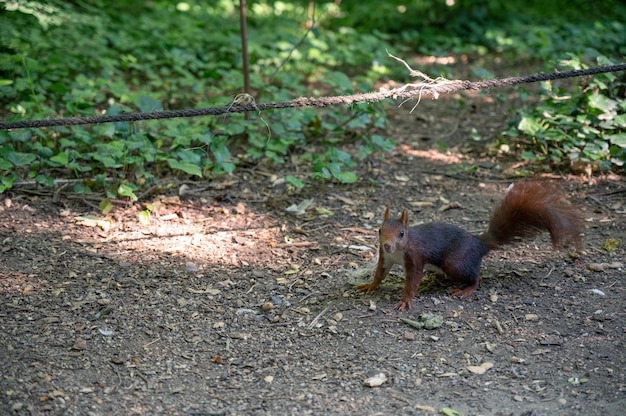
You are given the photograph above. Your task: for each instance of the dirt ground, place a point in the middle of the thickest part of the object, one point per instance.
(226, 303)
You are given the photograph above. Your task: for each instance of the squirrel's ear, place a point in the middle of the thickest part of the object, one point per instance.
(404, 218)
(386, 216)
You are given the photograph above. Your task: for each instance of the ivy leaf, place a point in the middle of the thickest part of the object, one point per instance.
(294, 181)
(348, 177)
(618, 139)
(147, 104)
(529, 126)
(620, 120)
(22, 136)
(62, 158)
(187, 167)
(19, 158)
(6, 182)
(528, 155)
(5, 164)
(601, 103)
(126, 190)
(341, 81)
(343, 177)
(386, 144)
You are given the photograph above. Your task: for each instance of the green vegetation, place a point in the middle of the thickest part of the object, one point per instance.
(93, 57)
(583, 126)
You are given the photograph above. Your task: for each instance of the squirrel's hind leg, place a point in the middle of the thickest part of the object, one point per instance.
(465, 291)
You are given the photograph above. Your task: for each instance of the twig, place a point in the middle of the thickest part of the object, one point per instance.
(295, 244)
(317, 318)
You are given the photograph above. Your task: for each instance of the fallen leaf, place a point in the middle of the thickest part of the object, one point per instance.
(425, 320)
(479, 369)
(447, 411)
(80, 344)
(325, 212)
(612, 244)
(300, 208)
(291, 271)
(93, 221)
(421, 204)
(375, 381)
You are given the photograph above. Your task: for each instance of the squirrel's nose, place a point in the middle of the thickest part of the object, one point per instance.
(387, 247)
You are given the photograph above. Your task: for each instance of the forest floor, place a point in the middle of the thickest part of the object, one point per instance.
(226, 303)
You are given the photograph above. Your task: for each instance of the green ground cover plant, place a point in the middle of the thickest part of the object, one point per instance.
(62, 59)
(583, 126)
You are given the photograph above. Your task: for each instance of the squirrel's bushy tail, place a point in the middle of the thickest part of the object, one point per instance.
(530, 207)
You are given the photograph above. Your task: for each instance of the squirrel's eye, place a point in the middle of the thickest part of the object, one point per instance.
(401, 233)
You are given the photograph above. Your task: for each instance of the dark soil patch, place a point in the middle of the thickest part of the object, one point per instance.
(227, 304)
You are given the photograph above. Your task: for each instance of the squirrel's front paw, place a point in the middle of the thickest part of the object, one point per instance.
(403, 304)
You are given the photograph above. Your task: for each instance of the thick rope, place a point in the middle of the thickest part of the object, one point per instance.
(406, 92)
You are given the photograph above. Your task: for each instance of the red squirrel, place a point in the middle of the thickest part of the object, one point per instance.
(527, 208)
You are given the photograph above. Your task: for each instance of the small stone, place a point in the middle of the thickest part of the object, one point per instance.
(267, 306)
(518, 398)
(531, 317)
(409, 335)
